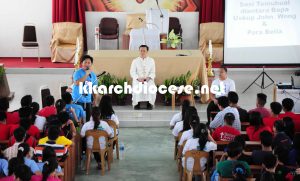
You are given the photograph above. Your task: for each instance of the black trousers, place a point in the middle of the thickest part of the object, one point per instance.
(211, 108)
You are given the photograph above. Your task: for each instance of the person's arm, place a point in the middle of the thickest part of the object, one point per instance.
(73, 129)
(72, 110)
(152, 71)
(82, 79)
(210, 138)
(133, 71)
(217, 121)
(83, 130)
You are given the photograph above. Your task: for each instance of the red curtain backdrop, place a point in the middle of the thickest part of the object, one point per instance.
(69, 11)
(211, 11)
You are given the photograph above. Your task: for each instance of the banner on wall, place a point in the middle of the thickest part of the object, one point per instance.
(141, 5)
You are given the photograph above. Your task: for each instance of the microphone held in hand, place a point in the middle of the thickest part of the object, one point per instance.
(99, 75)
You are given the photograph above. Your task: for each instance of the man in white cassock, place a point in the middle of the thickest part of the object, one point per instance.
(142, 71)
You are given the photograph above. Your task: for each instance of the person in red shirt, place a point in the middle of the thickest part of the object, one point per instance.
(4, 129)
(288, 105)
(261, 100)
(50, 109)
(256, 126)
(11, 117)
(276, 108)
(226, 132)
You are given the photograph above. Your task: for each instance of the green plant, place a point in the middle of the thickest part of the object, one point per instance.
(120, 82)
(172, 40)
(107, 80)
(2, 72)
(196, 83)
(168, 95)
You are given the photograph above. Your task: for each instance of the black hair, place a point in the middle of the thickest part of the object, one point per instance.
(194, 121)
(19, 134)
(202, 134)
(223, 67)
(53, 133)
(234, 149)
(287, 104)
(25, 123)
(2, 116)
(282, 153)
(48, 152)
(266, 138)
(26, 101)
(223, 101)
(233, 97)
(267, 176)
(23, 150)
(84, 57)
(49, 167)
(4, 104)
(144, 46)
(241, 140)
(261, 99)
(184, 106)
(23, 172)
(96, 117)
(67, 97)
(187, 115)
(25, 112)
(239, 173)
(255, 120)
(63, 117)
(276, 107)
(279, 126)
(269, 161)
(60, 105)
(35, 107)
(105, 106)
(296, 142)
(12, 166)
(49, 100)
(229, 118)
(289, 127)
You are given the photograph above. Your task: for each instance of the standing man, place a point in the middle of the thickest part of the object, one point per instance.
(142, 71)
(86, 76)
(228, 84)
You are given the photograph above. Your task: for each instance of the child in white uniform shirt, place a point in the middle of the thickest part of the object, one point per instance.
(185, 124)
(179, 116)
(201, 141)
(194, 122)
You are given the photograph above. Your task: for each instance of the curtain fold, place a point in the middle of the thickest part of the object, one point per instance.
(211, 11)
(69, 11)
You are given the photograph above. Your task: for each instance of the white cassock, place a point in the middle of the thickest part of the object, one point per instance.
(142, 68)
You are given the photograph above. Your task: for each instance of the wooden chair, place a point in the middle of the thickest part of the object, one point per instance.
(217, 156)
(244, 135)
(177, 139)
(115, 139)
(253, 145)
(244, 125)
(96, 134)
(222, 145)
(179, 158)
(197, 170)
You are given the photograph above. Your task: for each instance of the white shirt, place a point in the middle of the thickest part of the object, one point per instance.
(176, 118)
(40, 122)
(178, 128)
(102, 126)
(186, 135)
(115, 119)
(219, 118)
(228, 83)
(193, 144)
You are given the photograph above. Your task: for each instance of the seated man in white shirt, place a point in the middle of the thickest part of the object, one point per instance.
(228, 84)
(223, 105)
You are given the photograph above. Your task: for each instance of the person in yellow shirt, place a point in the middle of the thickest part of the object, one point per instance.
(60, 140)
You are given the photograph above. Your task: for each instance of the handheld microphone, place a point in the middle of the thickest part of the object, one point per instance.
(99, 75)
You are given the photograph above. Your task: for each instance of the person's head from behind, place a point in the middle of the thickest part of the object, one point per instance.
(201, 133)
(19, 134)
(276, 108)
(191, 111)
(269, 162)
(239, 173)
(234, 150)
(287, 104)
(96, 117)
(25, 112)
(49, 100)
(25, 123)
(229, 119)
(278, 126)
(194, 121)
(60, 105)
(105, 107)
(266, 138)
(12, 166)
(143, 51)
(53, 133)
(2, 116)
(289, 127)
(223, 102)
(86, 62)
(48, 152)
(26, 101)
(184, 106)
(49, 167)
(255, 120)
(35, 107)
(241, 140)
(233, 98)
(4, 104)
(261, 100)
(67, 97)
(222, 73)
(63, 117)
(23, 173)
(282, 153)
(23, 151)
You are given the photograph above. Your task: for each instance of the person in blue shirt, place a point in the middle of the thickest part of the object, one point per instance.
(3, 165)
(80, 113)
(81, 77)
(23, 157)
